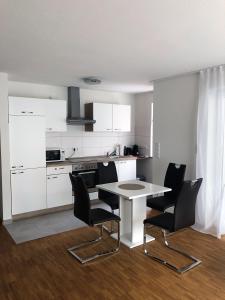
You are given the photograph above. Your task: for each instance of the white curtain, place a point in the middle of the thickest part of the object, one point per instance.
(210, 162)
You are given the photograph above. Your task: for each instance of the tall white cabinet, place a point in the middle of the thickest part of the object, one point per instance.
(27, 142)
(27, 155)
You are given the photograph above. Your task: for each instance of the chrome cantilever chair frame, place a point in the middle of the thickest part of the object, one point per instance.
(111, 230)
(166, 234)
(84, 260)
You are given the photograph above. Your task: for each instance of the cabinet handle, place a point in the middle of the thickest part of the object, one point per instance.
(21, 172)
(13, 167)
(61, 168)
(27, 112)
(55, 177)
(49, 128)
(13, 172)
(109, 129)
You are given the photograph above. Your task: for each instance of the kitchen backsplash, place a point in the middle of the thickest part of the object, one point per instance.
(88, 143)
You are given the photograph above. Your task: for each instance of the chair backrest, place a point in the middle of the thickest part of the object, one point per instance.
(174, 178)
(184, 211)
(81, 199)
(106, 174)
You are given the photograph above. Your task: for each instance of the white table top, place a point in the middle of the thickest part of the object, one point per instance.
(149, 189)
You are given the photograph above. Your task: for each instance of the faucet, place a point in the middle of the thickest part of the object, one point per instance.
(112, 154)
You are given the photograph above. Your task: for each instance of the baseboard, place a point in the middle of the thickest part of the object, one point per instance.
(6, 222)
(41, 212)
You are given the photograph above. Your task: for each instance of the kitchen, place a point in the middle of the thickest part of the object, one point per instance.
(129, 96)
(50, 188)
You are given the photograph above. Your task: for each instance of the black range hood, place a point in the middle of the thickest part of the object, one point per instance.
(73, 108)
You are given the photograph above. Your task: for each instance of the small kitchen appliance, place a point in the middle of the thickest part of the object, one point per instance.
(55, 154)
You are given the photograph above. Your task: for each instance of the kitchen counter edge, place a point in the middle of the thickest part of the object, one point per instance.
(93, 159)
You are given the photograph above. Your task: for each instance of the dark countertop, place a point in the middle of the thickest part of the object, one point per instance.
(93, 159)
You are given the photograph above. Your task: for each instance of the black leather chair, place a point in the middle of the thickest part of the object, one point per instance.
(183, 216)
(106, 174)
(173, 179)
(92, 217)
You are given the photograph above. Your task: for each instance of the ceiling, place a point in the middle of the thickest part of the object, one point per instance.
(126, 43)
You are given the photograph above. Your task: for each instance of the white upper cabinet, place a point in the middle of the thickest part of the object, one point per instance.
(108, 117)
(55, 115)
(102, 113)
(27, 142)
(21, 106)
(121, 117)
(53, 110)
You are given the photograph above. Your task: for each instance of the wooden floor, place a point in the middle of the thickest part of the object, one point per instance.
(42, 269)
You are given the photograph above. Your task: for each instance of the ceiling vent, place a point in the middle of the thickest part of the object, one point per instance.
(91, 80)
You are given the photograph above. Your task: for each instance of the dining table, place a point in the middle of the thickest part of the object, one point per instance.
(132, 208)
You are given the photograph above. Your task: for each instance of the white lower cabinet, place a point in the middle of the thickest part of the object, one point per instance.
(126, 169)
(59, 190)
(28, 190)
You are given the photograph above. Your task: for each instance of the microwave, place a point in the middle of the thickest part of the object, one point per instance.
(55, 154)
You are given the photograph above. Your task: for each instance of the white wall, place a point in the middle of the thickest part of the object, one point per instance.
(175, 117)
(88, 143)
(24, 89)
(4, 146)
(143, 131)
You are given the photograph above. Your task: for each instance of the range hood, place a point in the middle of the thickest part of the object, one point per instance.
(73, 108)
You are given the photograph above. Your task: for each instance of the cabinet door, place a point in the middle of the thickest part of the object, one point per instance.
(55, 115)
(27, 142)
(59, 190)
(116, 117)
(127, 170)
(102, 113)
(124, 117)
(28, 190)
(121, 117)
(21, 106)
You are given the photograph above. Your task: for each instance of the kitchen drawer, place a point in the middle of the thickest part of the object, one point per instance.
(63, 169)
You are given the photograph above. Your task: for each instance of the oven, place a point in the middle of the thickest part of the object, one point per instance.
(88, 171)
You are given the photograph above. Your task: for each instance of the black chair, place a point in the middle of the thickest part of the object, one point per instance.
(173, 179)
(183, 216)
(92, 217)
(106, 174)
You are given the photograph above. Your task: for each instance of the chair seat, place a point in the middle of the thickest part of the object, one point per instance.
(165, 221)
(160, 203)
(99, 215)
(112, 201)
